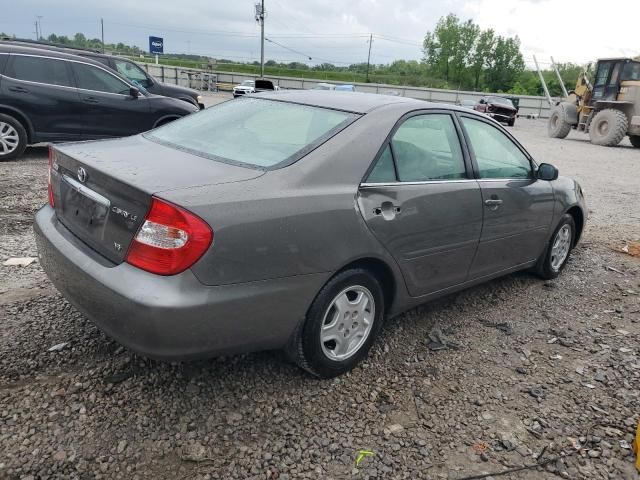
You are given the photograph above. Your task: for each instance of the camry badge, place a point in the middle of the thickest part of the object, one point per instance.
(82, 174)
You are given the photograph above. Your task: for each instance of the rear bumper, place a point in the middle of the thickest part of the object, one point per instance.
(174, 317)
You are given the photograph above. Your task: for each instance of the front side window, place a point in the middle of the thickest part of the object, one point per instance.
(132, 72)
(39, 69)
(427, 147)
(96, 79)
(496, 154)
(254, 132)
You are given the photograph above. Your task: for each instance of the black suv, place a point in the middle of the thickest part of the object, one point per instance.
(49, 96)
(123, 66)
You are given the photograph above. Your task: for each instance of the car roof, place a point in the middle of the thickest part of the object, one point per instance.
(356, 102)
(8, 47)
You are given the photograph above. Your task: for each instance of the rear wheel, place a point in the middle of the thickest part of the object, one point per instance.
(13, 138)
(635, 140)
(608, 127)
(558, 250)
(558, 126)
(340, 326)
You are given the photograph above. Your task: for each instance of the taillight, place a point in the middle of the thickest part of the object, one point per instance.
(49, 188)
(170, 240)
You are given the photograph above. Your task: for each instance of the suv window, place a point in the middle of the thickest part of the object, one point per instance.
(496, 154)
(132, 71)
(427, 147)
(94, 78)
(39, 69)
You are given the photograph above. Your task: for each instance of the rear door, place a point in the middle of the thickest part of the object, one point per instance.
(110, 110)
(421, 202)
(43, 89)
(518, 208)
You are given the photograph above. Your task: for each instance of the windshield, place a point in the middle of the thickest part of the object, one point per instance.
(500, 100)
(253, 132)
(631, 71)
(248, 83)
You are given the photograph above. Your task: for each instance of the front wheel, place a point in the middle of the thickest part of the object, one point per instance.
(558, 250)
(558, 127)
(340, 326)
(13, 138)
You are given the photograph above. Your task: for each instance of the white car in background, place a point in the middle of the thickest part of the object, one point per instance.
(247, 86)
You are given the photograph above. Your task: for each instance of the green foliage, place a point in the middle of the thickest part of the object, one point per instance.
(457, 55)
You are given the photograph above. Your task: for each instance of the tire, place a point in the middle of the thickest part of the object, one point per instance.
(635, 140)
(553, 260)
(13, 138)
(313, 350)
(558, 126)
(608, 127)
(511, 123)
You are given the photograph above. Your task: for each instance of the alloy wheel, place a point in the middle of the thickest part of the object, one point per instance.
(9, 138)
(347, 323)
(561, 247)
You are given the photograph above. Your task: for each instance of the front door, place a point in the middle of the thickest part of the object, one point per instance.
(42, 89)
(110, 110)
(518, 208)
(422, 204)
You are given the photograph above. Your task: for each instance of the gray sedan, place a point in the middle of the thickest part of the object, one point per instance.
(296, 220)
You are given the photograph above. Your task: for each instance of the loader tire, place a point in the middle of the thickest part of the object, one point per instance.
(558, 126)
(635, 140)
(608, 127)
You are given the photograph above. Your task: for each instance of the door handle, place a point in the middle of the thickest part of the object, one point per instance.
(387, 210)
(91, 100)
(19, 89)
(493, 203)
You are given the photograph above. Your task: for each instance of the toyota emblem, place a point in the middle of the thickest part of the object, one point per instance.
(82, 174)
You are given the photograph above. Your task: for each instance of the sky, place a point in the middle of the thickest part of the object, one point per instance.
(315, 31)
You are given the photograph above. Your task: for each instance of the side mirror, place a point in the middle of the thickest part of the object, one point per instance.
(134, 92)
(547, 172)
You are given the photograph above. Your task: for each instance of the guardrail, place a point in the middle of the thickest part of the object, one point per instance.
(530, 106)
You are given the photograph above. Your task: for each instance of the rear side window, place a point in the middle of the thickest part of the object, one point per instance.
(259, 133)
(384, 171)
(427, 147)
(3, 62)
(94, 78)
(38, 69)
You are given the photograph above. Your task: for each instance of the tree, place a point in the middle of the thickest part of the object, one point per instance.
(481, 55)
(441, 45)
(505, 65)
(463, 52)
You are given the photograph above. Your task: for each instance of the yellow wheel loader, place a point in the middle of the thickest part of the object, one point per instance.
(608, 109)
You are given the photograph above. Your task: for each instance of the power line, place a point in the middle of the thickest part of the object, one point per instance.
(311, 58)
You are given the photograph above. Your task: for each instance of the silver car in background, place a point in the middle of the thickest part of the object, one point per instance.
(297, 220)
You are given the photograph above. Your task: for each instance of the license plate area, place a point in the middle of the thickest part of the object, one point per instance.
(85, 211)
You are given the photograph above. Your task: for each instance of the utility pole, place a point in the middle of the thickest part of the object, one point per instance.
(102, 32)
(37, 35)
(369, 57)
(260, 18)
(40, 35)
(555, 67)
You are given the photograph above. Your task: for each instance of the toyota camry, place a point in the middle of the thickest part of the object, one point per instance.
(296, 221)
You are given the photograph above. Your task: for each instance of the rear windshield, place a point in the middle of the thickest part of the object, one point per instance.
(253, 132)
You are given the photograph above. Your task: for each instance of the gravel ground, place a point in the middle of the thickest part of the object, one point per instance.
(541, 368)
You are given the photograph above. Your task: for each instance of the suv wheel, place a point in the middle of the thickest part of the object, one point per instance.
(13, 138)
(340, 326)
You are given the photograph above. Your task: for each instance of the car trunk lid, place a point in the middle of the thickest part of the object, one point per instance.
(103, 190)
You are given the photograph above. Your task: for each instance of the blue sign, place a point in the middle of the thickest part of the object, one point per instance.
(156, 45)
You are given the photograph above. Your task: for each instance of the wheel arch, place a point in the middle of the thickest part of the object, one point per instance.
(578, 217)
(382, 271)
(165, 119)
(21, 118)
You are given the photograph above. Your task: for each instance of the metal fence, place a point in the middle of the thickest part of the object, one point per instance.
(194, 78)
